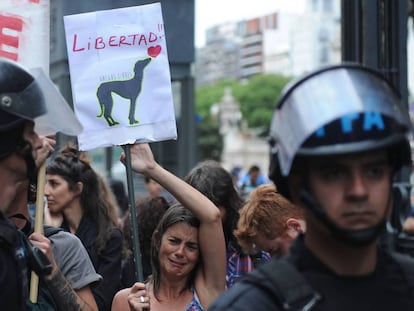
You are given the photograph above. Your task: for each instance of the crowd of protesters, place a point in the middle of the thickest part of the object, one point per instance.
(221, 236)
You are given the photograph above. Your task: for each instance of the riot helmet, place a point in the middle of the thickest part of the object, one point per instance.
(18, 87)
(338, 95)
(337, 110)
(31, 95)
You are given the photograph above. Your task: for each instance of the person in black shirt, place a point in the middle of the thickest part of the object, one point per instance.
(24, 98)
(341, 136)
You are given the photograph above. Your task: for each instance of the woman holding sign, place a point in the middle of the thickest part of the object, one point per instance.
(188, 250)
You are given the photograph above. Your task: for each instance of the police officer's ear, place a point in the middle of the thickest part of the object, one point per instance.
(296, 181)
(295, 184)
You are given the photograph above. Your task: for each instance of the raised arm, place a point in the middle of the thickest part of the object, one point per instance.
(142, 161)
(210, 281)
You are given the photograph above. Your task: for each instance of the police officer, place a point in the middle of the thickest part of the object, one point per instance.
(24, 99)
(341, 137)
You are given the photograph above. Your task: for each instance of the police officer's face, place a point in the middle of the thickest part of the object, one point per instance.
(13, 172)
(31, 137)
(13, 169)
(354, 190)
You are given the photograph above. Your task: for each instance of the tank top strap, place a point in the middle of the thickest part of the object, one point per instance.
(194, 304)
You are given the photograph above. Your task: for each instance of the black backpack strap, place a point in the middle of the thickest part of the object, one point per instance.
(11, 240)
(284, 283)
(406, 264)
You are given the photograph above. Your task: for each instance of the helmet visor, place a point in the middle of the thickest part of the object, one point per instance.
(59, 116)
(326, 95)
(42, 103)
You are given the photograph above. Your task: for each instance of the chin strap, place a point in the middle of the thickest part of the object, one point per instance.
(355, 238)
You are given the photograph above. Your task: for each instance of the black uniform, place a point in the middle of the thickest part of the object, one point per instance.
(389, 287)
(13, 267)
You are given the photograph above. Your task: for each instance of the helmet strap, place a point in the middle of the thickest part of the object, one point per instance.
(31, 167)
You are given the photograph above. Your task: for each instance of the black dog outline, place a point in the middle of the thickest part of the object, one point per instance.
(129, 89)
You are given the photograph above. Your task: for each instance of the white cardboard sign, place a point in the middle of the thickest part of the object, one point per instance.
(24, 32)
(120, 76)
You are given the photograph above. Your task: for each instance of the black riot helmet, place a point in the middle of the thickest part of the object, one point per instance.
(341, 109)
(30, 96)
(17, 88)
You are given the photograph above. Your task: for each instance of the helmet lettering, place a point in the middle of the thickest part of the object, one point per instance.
(373, 119)
(346, 122)
(368, 121)
(320, 132)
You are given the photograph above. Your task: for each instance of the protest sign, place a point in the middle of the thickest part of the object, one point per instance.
(24, 38)
(24, 32)
(120, 76)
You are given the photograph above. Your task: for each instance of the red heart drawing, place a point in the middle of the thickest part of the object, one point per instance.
(153, 51)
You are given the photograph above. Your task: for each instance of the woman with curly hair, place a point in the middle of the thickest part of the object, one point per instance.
(75, 192)
(268, 221)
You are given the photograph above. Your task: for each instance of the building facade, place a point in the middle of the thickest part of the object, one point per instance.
(283, 43)
(280, 43)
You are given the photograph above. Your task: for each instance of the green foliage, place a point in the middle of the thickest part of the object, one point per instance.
(210, 141)
(206, 96)
(258, 99)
